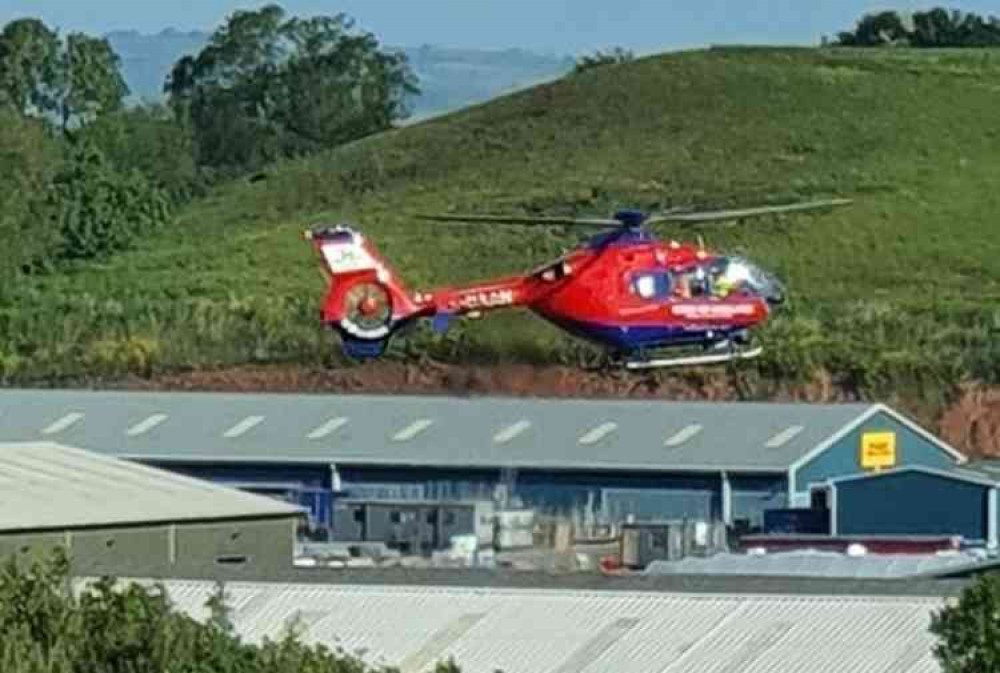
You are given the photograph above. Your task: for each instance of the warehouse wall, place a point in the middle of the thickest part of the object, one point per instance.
(553, 492)
(243, 548)
(843, 457)
(753, 494)
(912, 503)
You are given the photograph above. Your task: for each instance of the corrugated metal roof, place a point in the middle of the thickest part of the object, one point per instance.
(425, 430)
(557, 631)
(48, 486)
(808, 563)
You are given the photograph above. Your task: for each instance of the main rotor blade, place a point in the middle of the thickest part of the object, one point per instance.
(713, 216)
(502, 219)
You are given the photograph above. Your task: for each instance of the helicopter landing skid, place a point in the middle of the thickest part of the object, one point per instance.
(695, 360)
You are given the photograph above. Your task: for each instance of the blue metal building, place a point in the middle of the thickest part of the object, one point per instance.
(608, 458)
(914, 500)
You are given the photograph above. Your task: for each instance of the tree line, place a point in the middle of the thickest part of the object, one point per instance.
(935, 28)
(82, 174)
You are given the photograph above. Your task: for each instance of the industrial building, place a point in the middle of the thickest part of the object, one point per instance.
(561, 630)
(117, 517)
(607, 460)
(913, 500)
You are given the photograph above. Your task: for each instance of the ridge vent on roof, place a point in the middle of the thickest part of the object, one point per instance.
(63, 423)
(784, 437)
(243, 426)
(511, 431)
(683, 435)
(146, 425)
(328, 428)
(412, 430)
(597, 434)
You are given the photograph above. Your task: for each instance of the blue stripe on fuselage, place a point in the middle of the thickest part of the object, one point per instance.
(633, 337)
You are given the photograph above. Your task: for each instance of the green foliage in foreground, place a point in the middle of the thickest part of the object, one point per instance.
(968, 632)
(46, 627)
(901, 289)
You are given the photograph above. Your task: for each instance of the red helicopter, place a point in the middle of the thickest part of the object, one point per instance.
(623, 289)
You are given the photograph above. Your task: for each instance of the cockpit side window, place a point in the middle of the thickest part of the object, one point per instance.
(650, 284)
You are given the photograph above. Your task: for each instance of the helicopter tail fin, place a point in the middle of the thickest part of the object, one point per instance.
(366, 301)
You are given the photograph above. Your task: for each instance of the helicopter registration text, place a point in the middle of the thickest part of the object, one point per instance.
(713, 311)
(490, 299)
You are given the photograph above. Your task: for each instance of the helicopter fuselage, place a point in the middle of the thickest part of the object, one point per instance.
(629, 293)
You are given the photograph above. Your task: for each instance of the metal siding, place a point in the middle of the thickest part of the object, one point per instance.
(842, 458)
(377, 483)
(463, 433)
(752, 495)
(647, 497)
(538, 631)
(48, 485)
(912, 503)
(549, 492)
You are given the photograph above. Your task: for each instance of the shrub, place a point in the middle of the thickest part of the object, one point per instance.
(46, 627)
(968, 631)
(100, 210)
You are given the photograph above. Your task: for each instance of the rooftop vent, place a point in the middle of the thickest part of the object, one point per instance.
(243, 426)
(682, 435)
(412, 430)
(511, 431)
(328, 428)
(63, 423)
(146, 425)
(597, 434)
(783, 437)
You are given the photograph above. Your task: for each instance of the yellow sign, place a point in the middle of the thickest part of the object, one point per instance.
(878, 450)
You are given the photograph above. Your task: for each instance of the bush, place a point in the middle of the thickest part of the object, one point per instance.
(100, 210)
(45, 627)
(28, 157)
(968, 632)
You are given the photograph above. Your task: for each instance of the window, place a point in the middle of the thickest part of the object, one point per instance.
(651, 284)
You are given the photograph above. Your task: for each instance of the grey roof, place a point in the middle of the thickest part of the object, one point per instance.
(559, 631)
(48, 486)
(815, 563)
(425, 430)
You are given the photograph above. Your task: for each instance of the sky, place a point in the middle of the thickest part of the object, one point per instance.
(547, 26)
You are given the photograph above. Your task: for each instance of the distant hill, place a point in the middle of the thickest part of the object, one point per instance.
(449, 78)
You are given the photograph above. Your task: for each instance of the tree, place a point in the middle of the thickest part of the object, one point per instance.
(876, 29)
(267, 87)
(70, 81)
(599, 59)
(151, 140)
(968, 631)
(92, 83)
(29, 67)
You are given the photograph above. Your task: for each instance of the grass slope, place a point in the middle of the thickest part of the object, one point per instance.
(901, 286)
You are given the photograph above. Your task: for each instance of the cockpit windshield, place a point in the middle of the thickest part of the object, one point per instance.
(735, 274)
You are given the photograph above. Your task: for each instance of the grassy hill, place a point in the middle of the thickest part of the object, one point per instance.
(900, 288)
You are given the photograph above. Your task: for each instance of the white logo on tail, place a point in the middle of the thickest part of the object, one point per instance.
(347, 258)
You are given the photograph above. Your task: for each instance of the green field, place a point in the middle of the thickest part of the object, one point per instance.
(900, 288)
